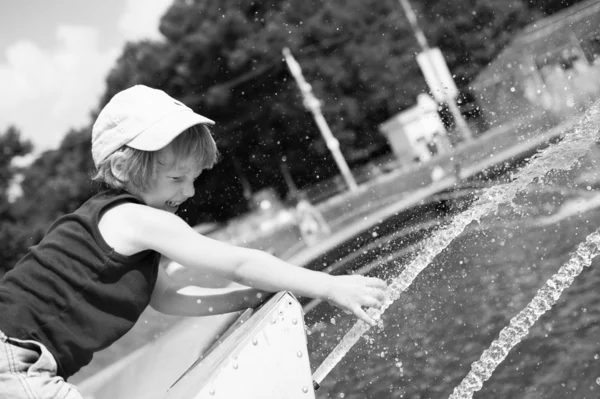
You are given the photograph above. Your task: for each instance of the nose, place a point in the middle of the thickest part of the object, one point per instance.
(188, 189)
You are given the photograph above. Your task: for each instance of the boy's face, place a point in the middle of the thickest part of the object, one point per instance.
(174, 183)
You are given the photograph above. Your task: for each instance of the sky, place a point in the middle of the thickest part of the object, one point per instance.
(55, 56)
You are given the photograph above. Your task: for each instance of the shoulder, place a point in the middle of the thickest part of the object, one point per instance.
(127, 226)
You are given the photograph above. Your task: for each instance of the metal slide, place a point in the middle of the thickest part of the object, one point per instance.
(261, 356)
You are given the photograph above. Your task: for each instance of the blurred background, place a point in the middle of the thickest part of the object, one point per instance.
(389, 98)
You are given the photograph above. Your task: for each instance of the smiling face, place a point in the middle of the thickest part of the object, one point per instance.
(173, 183)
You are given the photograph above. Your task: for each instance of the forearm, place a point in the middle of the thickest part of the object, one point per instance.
(268, 273)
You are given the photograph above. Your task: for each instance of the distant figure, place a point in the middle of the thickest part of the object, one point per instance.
(311, 223)
(90, 278)
(437, 173)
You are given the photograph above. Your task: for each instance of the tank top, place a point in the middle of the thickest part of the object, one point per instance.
(72, 292)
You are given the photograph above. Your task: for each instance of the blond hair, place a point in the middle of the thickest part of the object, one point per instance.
(139, 167)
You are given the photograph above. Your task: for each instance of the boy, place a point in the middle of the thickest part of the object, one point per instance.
(87, 282)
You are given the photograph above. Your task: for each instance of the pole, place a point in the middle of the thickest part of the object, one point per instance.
(461, 124)
(314, 105)
(412, 19)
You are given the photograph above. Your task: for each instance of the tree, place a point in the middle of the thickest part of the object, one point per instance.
(12, 234)
(58, 181)
(11, 146)
(551, 6)
(224, 59)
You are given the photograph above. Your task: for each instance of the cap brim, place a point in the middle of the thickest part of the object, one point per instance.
(164, 131)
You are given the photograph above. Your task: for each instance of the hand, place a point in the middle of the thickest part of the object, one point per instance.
(354, 292)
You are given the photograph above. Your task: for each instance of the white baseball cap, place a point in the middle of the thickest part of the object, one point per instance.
(143, 118)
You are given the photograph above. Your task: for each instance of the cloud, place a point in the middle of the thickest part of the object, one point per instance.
(141, 18)
(47, 91)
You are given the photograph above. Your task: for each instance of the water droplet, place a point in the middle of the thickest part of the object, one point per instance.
(235, 366)
(304, 389)
(598, 380)
(254, 341)
(299, 354)
(198, 300)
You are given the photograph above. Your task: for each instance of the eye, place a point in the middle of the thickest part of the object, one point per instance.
(177, 178)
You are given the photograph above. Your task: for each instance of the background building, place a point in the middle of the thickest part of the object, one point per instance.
(417, 133)
(551, 69)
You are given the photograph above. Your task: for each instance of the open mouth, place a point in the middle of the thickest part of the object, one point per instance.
(173, 204)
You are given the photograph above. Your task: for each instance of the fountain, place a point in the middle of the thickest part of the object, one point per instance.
(565, 155)
(519, 326)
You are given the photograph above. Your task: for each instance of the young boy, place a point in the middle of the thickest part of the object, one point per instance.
(90, 278)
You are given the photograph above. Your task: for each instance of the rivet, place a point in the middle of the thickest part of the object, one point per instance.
(304, 389)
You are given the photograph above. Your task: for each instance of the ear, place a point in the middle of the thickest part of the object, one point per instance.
(117, 166)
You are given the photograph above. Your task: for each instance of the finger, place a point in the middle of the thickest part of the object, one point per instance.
(375, 282)
(376, 293)
(379, 294)
(371, 302)
(361, 314)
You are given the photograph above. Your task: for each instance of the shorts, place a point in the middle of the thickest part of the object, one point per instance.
(28, 371)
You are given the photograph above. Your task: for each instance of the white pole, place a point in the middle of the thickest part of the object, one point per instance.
(461, 124)
(314, 105)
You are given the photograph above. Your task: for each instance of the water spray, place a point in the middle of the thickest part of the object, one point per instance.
(562, 156)
(519, 325)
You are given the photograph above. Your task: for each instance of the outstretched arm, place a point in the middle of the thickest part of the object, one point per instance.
(149, 228)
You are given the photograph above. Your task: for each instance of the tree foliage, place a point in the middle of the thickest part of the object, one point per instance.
(13, 235)
(225, 60)
(11, 146)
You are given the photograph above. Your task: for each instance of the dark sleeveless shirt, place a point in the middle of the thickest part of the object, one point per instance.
(72, 292)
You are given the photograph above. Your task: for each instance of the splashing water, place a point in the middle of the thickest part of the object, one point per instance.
(562, 156)
(519, 325)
